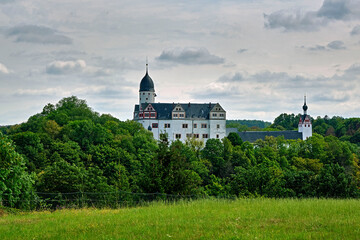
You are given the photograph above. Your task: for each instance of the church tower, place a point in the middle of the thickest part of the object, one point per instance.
(147, 90)
(305, 126)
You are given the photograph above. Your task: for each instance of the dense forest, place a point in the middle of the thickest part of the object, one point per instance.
(68, 148)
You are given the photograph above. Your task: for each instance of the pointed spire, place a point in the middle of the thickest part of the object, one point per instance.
(147, 65)
(305, 107)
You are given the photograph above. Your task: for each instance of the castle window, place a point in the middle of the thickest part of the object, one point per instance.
(217, 135)
(195, 125)
(177, 136)
(222, 115)
(218, 126)
(203, 125)
(196, 135)
(175, 115)
(154, 125)
(188, 135)
(214, 115)
(185, 125)
(146, 98)
(152, 114)
(148, 93)
(143, 93)
(167, 125)
(205, 135)
(181, 115)
(146, 114)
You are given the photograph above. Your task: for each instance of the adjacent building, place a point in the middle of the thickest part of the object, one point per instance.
(178, 120)
(304, 130)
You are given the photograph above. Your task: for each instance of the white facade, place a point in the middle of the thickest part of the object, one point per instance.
(305, 126)
(182, 129)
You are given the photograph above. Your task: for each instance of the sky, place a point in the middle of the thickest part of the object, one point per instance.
(257, 58)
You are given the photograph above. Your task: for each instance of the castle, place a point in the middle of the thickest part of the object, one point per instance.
(198, 120)
(178, 120)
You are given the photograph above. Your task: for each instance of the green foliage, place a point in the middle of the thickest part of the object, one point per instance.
(16, 185)
(247, 125)
(286, 121)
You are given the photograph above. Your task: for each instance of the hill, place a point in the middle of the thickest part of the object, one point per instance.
(71, 156)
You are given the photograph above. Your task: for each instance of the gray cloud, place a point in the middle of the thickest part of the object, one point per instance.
(37, 34)
(189, 56)
(313, 20)
(65, 67)
(317, 48)
(237, 77)
(267, 85)
(336, 45)
(338, 97)
(355, 30)
(242, 50)
(297, 21)
(335, 9)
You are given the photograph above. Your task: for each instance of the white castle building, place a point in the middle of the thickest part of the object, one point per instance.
(178, 120)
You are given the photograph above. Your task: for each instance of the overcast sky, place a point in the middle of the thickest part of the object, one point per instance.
(257, 58)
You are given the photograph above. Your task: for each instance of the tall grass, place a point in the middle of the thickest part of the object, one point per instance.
(200, 219)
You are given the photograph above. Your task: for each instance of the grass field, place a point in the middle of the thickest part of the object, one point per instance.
(200, 219)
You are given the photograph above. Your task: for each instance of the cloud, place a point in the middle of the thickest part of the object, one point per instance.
(317, 48)
(3, 69)
(264, 86)
(355, 30)
(65, 67)
(297, 21)
(335, 9)
(313, 20)
(237, 77)
(37, 34)
(334, 45)
(333, 96)
(242, 50)
(189, 56)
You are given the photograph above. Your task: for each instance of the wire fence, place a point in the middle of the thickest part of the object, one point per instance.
(116, 199)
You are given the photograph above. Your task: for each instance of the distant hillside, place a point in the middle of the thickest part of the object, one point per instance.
(246, 124)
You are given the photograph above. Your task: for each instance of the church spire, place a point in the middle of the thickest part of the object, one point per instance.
(305, 107)
(147, 65)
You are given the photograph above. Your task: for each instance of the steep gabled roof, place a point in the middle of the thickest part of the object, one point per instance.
(192, 110)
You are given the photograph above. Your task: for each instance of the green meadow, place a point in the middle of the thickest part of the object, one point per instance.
(199, 219)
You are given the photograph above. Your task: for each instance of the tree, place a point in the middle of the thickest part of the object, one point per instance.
(214, 152)
(334, 182)
(235, 139)
(16, 185)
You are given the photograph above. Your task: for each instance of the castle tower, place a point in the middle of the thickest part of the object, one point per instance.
(147, 90)
(305, 126)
